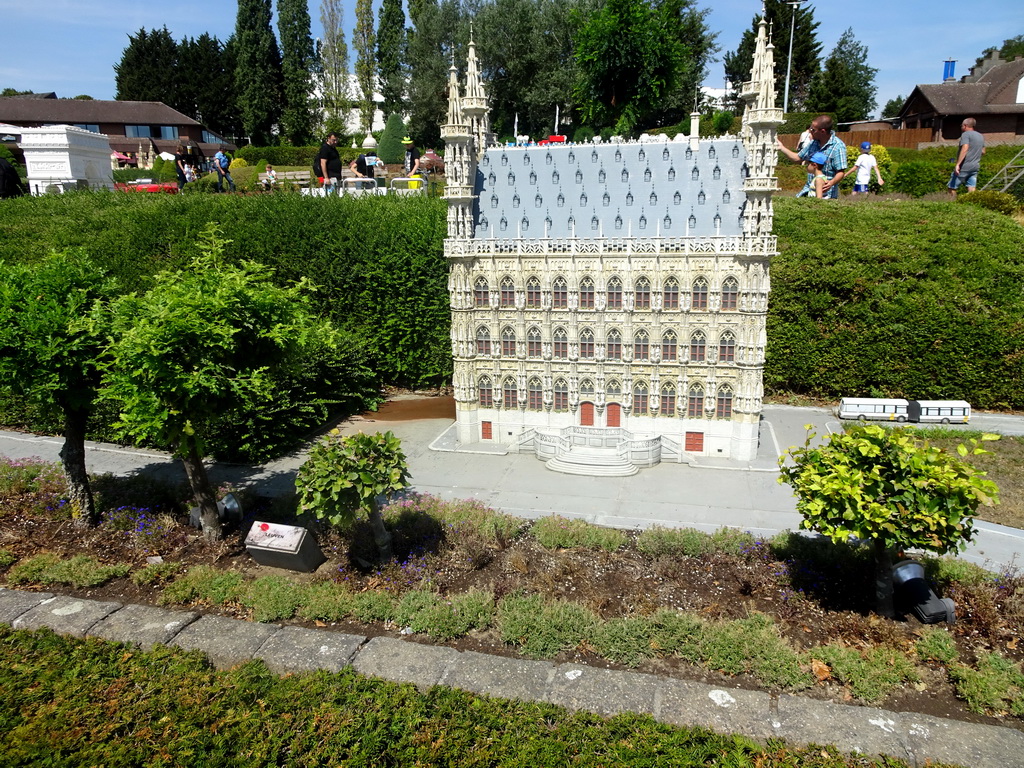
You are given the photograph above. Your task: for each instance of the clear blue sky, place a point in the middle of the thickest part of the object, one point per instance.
(71, 46)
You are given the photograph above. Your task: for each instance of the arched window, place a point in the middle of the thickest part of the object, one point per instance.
(614, 351)
(668, 400)
(560, 294)
(483, 340)
(669, 347)
(699, 296)
(587, 388)
(730, 293)
(695, 402)
(510, 393)
(586, 344)
(533, 293)
(642, 294)
(535, 395)
(640, 398)
(508, 343)
(561, 399)
(612, 390)
(508, 292)
(641, 346)
(485, 392)
(698, 347)
(533, 343)
(586, 293)
(615, 293)
(560, 349)
(723, 403)
(670, 294)
(481, 294)
(727, 348)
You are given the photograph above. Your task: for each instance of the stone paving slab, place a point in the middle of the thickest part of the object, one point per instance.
(861, 729)
(143, 625)
(500, 676)
(65, 615)
(732, 710)
(296, 649)
(14, 602)
(227, 642)
(605, 691)
(953, 741)
(404, 662)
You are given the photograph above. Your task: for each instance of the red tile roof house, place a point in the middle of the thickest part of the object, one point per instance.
(142, 129)
(993, 94)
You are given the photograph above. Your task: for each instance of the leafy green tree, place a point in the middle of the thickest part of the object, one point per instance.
(50, 353)
(391, 55)
(806, 51)
(632, 56)
(390, 148)
(845, 86)
(893, 106)
(201, 343)
(437, 24)
(297, 64)
(344, 476)
(364, 40)
(257, 70)
(332, 55)
(888, 488)
(1012, 48)
(147, 69)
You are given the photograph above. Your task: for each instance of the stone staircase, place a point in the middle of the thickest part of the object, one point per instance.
(595, 462)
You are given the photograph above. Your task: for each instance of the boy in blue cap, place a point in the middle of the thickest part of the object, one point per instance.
(815, 166)
(865, 162)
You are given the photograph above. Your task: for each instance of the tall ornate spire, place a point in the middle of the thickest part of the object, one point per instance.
(474, 102)
(460, 162)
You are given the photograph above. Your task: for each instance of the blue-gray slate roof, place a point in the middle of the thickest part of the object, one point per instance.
(611, 190)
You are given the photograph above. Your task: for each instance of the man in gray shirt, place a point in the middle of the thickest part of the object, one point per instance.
(968, 159)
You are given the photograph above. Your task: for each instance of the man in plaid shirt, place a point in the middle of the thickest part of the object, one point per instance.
(824, 140)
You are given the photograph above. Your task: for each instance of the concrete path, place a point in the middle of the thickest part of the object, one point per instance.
(286, 650)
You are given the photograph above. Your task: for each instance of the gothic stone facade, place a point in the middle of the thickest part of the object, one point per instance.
(619, 284)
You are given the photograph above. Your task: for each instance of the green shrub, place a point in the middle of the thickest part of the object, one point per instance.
(947, 571)
(326, 601)
(554, 532)
(429, 613)
(732, 541)
(583, 134)
(459, 517)
(870, 675)
(543, 629)
(272, 597)
(204, 583)
(370, 607)
(936, 644)
(657, 541)
(677, 634)
(1000, 202)
(995, 687)
(7, 558)
(155, 573)
(752, 645)
(79, 571)
(390, 149)
(916, 179)
(33, 487)
(625, 640)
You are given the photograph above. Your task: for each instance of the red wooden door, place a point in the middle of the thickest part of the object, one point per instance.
(485, 430)
(614, 415)
(586, 414)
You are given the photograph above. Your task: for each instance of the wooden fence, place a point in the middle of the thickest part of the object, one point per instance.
(908, 138)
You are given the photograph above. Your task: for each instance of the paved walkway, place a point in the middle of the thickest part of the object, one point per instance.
(706, 496)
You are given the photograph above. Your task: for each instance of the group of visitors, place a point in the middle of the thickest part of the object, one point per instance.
(187, 168)
(824, 156)
(327, 165)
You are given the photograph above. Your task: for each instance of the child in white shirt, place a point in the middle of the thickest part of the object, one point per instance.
(865, 162)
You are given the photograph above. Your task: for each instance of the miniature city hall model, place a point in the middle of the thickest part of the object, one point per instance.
(609, 299)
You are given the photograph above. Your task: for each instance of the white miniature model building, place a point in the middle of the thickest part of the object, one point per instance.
(62, 157)
(609, 299)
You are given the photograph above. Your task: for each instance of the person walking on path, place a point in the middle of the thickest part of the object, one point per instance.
(412, 157)
(823, 139)
(865, 162)
(968, 158)
(328, 162)
(222, 165)
(180, 161)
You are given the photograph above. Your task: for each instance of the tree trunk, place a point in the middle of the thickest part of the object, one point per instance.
(883, 580)
(381, 537)
(203, 494)
(72, 456)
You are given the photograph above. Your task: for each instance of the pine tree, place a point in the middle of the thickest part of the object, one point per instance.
(257, 71)
(431, 49)
(893, 106)
(364, 40)
(297, 58)
(391, 54)
(147, 70)
(333, 66)
(806, 51)
(845, 86)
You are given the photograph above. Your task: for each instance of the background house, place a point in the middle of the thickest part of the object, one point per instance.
(993, 94)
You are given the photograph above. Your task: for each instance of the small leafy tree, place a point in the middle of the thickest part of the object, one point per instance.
(889, 488)
(49, 352)
(204, 342)
(344, 476)
(390, 148)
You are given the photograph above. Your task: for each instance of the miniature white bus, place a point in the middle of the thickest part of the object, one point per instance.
(899, 410)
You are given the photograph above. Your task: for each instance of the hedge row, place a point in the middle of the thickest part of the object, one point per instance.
(300, 156)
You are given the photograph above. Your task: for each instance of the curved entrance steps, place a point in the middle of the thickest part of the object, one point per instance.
(597, 462)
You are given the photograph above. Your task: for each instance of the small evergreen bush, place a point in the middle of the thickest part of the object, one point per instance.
(554, 532)
(1000, 202)
(916, 179)
(390, 149)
